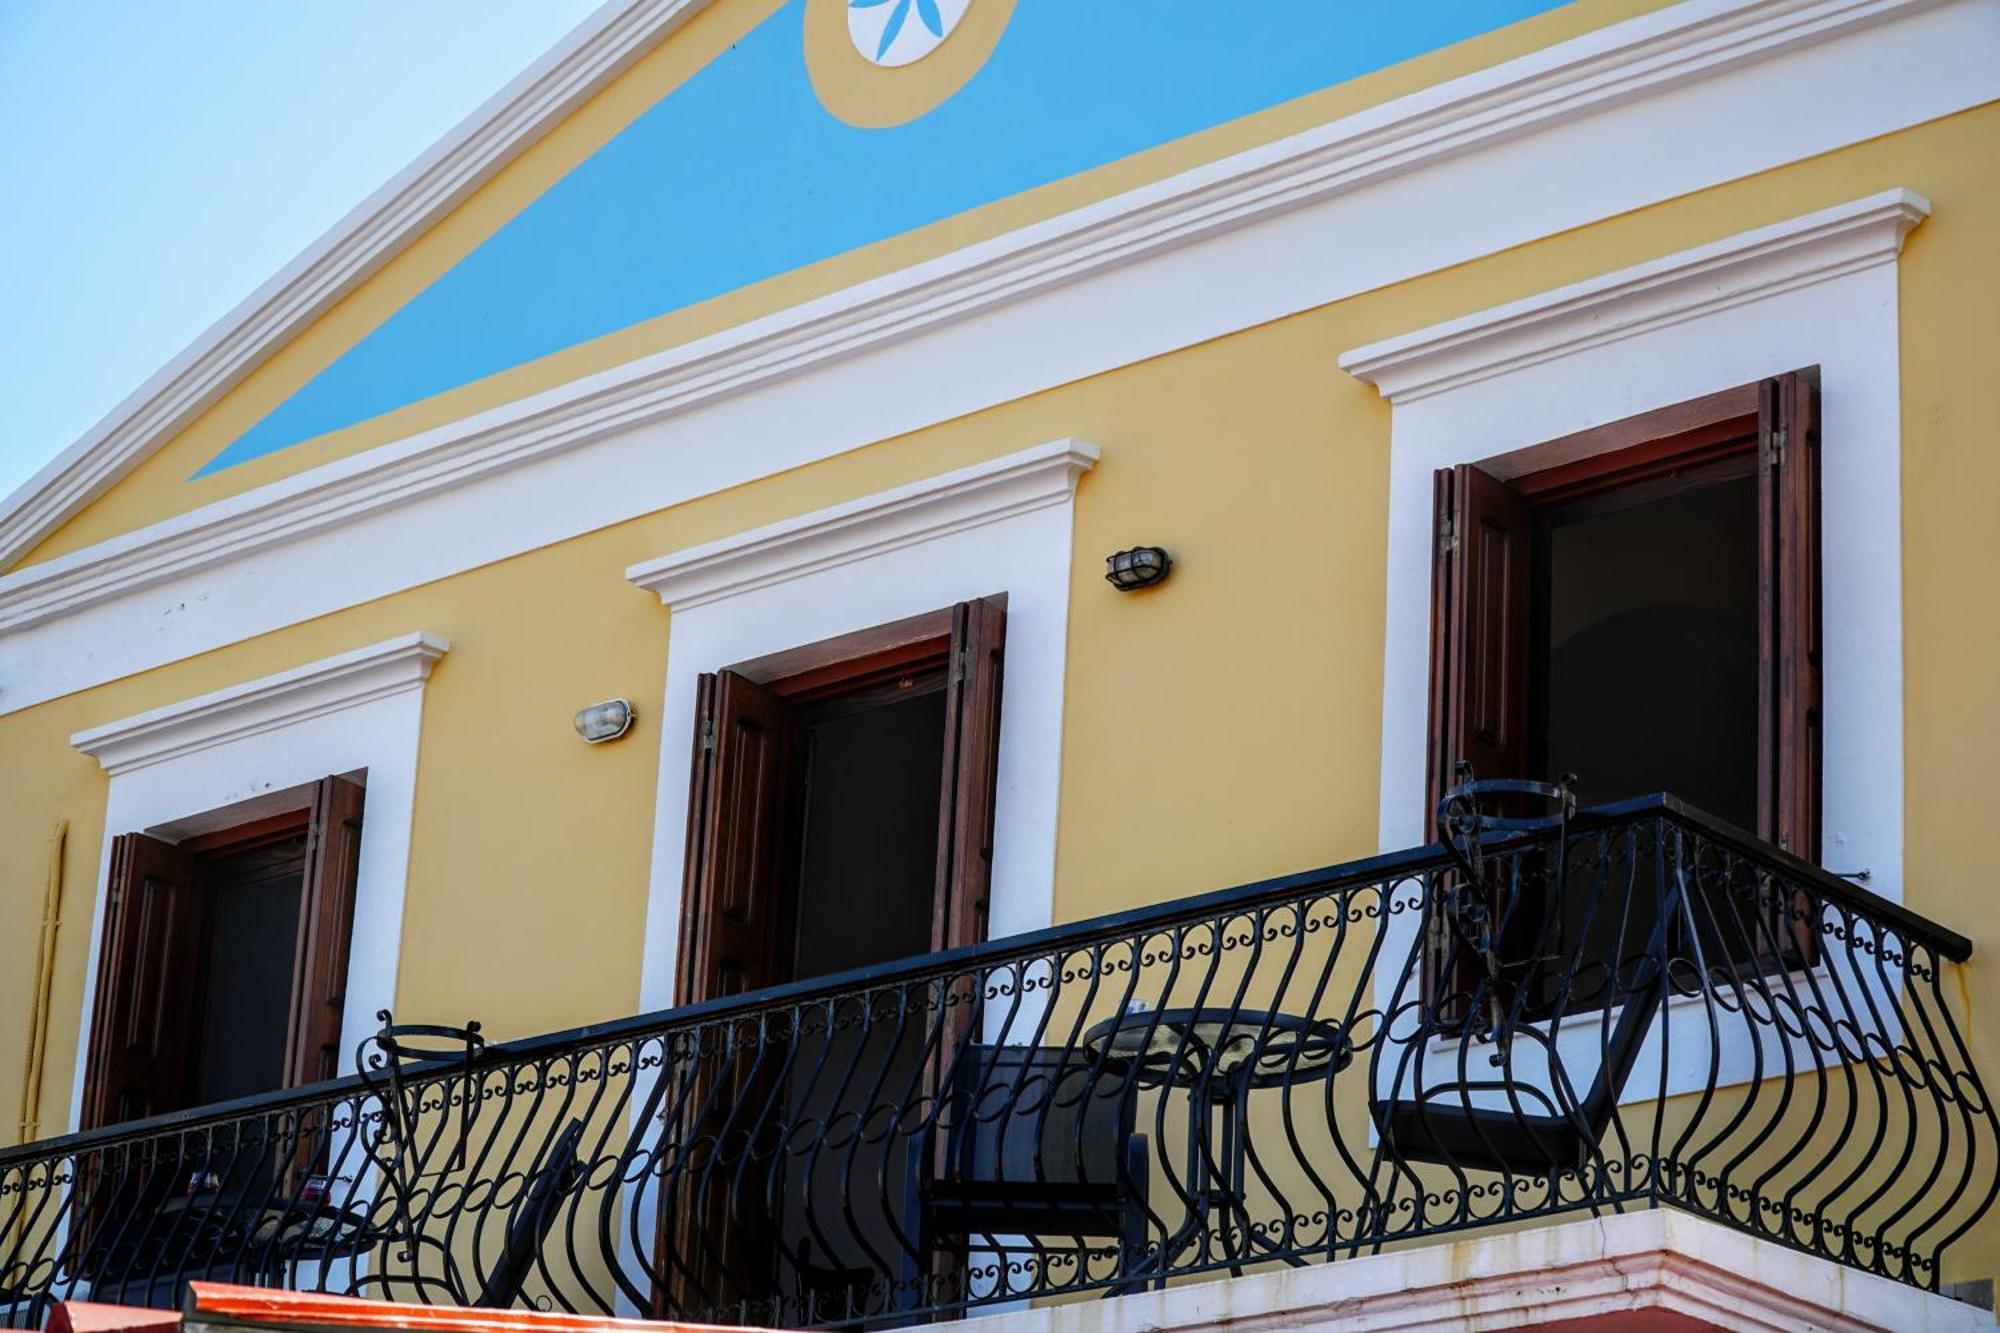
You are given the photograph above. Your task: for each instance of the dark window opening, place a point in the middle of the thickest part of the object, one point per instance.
(869, 771)
(1651, 649)
(253, 925)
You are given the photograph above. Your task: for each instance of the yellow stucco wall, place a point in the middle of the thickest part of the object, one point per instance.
(161, 487)
(1243, 697)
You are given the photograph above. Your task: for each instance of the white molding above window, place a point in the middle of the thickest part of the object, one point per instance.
(1018, 483)
(1746, 267)
(241, 711)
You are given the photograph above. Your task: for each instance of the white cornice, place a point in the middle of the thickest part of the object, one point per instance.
(1651, 54)
(983, 493)
(1746, 267)
(381, 227)
(326, 686)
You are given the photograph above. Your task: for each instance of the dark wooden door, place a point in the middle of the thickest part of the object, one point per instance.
(139, 1061)
(715, 1237)
(326, 924)
(1788, 738)
(732, 918)
(965, 869)
(971, 767)
(1480, 697)
(1788, 650)
(1480, 650)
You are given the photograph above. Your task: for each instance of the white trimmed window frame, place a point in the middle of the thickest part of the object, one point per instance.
(256, 749)
(1002, 526)
(1492, 387)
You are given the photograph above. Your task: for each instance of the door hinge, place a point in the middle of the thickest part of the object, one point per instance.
(708, 733)
(1447, 535)
(1774, 453)
(958, 666)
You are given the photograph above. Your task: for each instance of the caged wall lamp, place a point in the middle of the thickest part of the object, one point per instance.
(1139, 567)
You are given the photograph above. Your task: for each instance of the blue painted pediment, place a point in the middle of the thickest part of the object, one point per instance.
(742, 174)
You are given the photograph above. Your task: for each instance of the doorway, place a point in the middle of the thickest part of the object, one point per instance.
(841, 818)
(221, 975)
(223, 964)
(243, 987)
(1644, 617)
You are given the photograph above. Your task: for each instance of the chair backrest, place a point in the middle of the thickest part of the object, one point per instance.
(532, 1220)
(1039, 1115)
(1642, 1002)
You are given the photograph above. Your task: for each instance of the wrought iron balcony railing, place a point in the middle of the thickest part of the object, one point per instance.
(1637, 1007)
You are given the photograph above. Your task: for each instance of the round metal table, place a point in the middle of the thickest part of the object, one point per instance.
(1220, 1056)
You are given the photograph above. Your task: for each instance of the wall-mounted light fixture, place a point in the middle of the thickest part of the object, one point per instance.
(1140, 567)
(604, 722)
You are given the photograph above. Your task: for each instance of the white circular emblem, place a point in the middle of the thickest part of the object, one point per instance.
(902, 32)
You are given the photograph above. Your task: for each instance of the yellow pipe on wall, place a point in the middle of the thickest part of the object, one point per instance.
(45, 975)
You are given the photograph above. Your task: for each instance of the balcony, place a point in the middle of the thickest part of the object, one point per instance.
(1630, 1008)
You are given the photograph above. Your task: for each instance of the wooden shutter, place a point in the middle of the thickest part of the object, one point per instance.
(965, 858)
(139, 1063)
(971, 765)
(730, 926)
(715, 1241)
(1788, 648)
(326, 927)
(1479, 629)
(1788, 739)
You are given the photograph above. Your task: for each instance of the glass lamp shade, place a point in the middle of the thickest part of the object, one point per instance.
(1139, 567)
(604, 722)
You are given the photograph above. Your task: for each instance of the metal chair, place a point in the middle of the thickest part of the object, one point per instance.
(559, 1174)
(1441, 1124)
(544, 1188)
(1040, 1141)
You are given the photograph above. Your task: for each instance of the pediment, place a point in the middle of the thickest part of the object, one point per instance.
(782, 137)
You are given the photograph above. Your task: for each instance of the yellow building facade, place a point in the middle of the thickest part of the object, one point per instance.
(741, 326)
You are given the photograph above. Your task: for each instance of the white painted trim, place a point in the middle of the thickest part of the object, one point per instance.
(1000, 527)
(354, 248)
(381, 669)
(1645, 56)
(1786, 310)
(873, 525)
(1657, 1269)
(1710, 278)
(245, 748)
(366, 527)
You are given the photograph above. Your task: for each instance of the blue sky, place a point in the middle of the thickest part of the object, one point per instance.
(161, 158)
